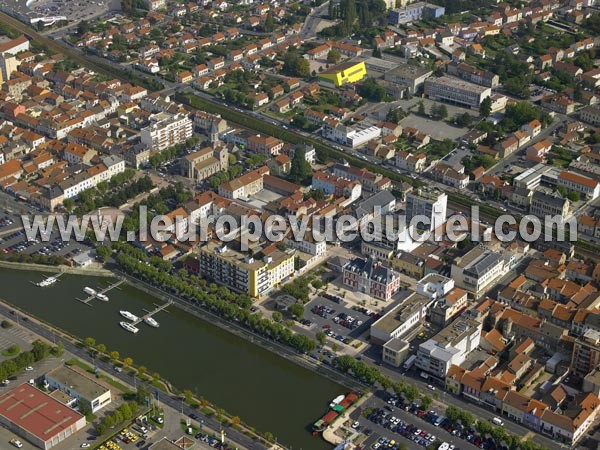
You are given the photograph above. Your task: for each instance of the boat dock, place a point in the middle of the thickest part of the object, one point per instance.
(88, 299)
(151, 313)
(55, 277)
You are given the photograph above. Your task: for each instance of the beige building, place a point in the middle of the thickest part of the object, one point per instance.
(246, 185)
(77, 384)
(204, 163)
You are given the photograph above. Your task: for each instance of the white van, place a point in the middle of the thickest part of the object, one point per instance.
(497, 421)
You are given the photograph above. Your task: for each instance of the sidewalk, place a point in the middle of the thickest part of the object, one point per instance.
(329, 434)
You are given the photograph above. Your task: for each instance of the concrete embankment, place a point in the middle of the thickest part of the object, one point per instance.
(89, 271)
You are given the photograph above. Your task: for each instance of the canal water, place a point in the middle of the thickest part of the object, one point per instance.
(262, 388)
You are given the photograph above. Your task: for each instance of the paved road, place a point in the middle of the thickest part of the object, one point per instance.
(309, 27)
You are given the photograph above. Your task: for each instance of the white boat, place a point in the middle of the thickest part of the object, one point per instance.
(89, 290)
(102, 297)
(129, 327)
(129, 316)
(150, 321)
(336, 400)
(47, 282)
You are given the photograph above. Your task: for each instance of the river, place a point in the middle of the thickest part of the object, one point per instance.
(263, 389)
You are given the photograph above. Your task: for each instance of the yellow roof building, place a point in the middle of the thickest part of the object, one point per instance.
(346, 72)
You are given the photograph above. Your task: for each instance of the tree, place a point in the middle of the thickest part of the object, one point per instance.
(467, 419)
(269, 23)
(485, 108)
(442, 112)
(114, 355)
(453, 414)
(69, 203)
(101, 348)
(127, 361)
(426, 401)
(300, 170)
(90, 342)
(521, 113)
(295, 65)
(411, 392)
(277, 316)
(372, 91)
(421, 108)
(297, 310)
(141, 371)
(321, 338)
(334, 56)
(188, 395)
(573, 196)
(464, 120)
(103, 252)
(483, 427)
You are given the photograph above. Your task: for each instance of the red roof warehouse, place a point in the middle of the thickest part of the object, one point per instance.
(37, 417)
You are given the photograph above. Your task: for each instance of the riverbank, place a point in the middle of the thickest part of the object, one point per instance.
(89, 271)
(274, 347)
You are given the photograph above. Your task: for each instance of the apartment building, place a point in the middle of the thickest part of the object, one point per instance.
(590, 114)
(543, 205)
(477, 270)
(245, 185)
(456, 91)
(371, 181)
(265, 145)
(337, 186)
(428, 204)
(414, 12)
(587, 187)
(450, 346)
(254, 274)
(166, 131)
(586, 353)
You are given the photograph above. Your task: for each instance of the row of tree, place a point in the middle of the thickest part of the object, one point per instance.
(217, 299)
(485, 429)
(97, 198)
(122, 414)
(14, 366)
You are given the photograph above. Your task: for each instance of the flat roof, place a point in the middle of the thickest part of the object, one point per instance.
(85, 386)
(36, 412)
(396, 316)
(457, 83)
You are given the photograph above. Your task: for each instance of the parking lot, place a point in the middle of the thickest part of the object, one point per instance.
(14, 240)
(393, 421)
(337, 320)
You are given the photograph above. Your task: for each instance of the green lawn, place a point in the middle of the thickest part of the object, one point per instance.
(116, 384)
